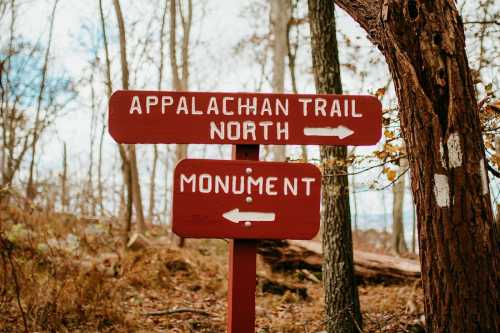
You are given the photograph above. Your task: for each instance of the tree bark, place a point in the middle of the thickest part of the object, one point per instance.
(341, 295)
(424, 45)
(398, 192)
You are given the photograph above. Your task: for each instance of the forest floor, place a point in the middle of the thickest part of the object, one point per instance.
(59, 273)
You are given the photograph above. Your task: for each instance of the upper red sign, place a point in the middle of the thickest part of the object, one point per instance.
(243, 118)
(246, 199)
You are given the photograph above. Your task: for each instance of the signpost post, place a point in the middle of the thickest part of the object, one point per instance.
(243, 199)
(242, 268)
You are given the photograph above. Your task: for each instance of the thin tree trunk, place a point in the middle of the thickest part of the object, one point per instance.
(424, 45)
(180, 82)
(414, 228)
(121, 149)
(90, 174)
(354, 195)
(99, 169)
(497, 154)
(132, 159)
(152, 187)
(292, 54)
(30, 188)
(64, 179)
(398, 195)
(341, 294)
(152, 183)
(281, 13)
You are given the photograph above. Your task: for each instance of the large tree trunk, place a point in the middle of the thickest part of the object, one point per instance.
(341, 296)
(281, 13)
(424, 45)
(398, 192)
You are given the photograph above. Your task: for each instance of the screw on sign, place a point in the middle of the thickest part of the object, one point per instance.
(243, 199)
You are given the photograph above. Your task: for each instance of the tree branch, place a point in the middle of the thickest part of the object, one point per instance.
(364, 12)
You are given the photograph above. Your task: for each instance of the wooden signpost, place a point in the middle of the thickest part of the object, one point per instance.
(243, 199)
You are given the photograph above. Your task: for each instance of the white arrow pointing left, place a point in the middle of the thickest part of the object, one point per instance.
(236, 216)
(341, 131)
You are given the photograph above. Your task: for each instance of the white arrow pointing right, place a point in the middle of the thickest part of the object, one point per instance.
(341, 131)
(236, 216)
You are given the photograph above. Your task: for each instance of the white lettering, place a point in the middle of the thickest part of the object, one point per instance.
(182, 106)
(284, 108)
(219, 184)
(216, 130)
(270, 184)
(242, 185)
(319, 106)
(249, 130)
(290, 187)
(225, 111)
(308, 182)
(265, 125)
(255, 182)
(353, 107)
(166, 101)
(335, 110)
(266, 107)
(205, 183)
(212, 106)
(283, 130)
(135, 106)
(304, 102)
(151, 101)
(193, 107)
(233, 130)
(250, 108)
(187, 180)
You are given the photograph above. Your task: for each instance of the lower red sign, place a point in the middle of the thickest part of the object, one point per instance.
(246, 199)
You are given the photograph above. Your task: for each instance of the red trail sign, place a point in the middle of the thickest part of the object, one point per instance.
(246, 199)
(243, 118)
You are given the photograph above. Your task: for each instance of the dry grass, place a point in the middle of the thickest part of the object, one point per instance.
(57, 293)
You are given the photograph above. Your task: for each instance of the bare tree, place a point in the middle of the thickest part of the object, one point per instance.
(30, 190)
(64, 180)
(123, 155)
(341, 294)
(20, 130)
(180, 75)
(280, 13)
(152, 184)
(131, 151)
